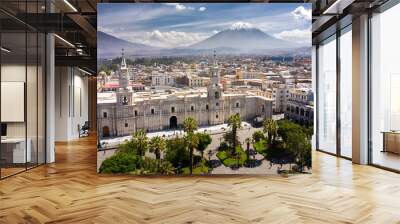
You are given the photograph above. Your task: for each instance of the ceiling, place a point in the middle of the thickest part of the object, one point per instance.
(73, 21)
(332, 15)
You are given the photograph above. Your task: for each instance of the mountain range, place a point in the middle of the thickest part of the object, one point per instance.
(235, 40)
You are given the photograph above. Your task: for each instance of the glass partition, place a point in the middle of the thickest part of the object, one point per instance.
(385, 89)
(327, 95)
(13, 121)
(346, 93)
(22, 87)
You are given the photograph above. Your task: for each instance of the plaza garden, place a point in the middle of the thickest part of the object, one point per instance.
(282, 144)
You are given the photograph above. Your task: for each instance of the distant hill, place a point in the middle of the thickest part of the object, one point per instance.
(110, 46)
(238, 39)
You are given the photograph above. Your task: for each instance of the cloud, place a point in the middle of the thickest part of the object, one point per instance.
(302, 13)
(202, 9)
(166, 39)
(105, 29)
(296, 35)
(180, 7)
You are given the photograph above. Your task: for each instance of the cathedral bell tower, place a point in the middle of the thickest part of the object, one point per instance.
(215, 95)
(214, 88)
(124, 95)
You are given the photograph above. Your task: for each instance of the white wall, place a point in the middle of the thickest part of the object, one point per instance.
(71, 103)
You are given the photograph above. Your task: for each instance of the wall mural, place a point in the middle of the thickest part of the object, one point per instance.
(204, 88)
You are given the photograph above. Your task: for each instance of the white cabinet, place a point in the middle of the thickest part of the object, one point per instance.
(17, 148)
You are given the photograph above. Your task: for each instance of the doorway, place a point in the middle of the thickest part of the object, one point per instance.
(173, 122)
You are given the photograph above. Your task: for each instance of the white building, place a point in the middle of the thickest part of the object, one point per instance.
(300, 106)
(162, 79)
(125, 111)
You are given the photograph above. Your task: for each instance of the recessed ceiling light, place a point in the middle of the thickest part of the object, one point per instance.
(64, 40)
(5, 50)
(70, 5)
(86, 72)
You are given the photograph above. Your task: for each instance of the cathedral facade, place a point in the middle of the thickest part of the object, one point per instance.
(128, 111)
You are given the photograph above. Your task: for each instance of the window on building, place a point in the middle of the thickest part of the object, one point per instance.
(237, 105)
(173, 109)
(207, 107)
(345, 83)
(126, 125)
(216, 116)
(192, 108)
(327, 95)
(385, 89)
(216, 95)
(152, 110)
(136, 113)
(105, 114)
(125, 101)
(217, 104)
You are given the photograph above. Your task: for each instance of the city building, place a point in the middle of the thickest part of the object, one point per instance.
(196, 81)
(162, 79)
(126, 111)
(300, 106)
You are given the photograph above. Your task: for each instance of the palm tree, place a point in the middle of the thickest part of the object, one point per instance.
(235, 123)
(167, 168)
(248, 141)
(141, 141)
(192, 142)
(204, 140)
(189, 125)
(271, 129)
(157, 146)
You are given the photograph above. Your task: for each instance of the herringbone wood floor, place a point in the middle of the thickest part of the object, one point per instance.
(70, 191)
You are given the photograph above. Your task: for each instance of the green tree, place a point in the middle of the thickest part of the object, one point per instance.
(157, 145)
(189, 125)
(141, 141)
(204, 140)
(234, 122)
(120, 162)
(270, 127)
(129, 147)
(258, 136)
(192, 142)
(285, 127)
(300, 146)
(177, 153)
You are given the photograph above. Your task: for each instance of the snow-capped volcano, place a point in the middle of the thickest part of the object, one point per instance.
(243, 37)
(241, 25)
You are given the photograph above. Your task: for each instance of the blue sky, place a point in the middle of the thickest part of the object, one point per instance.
(177, 24)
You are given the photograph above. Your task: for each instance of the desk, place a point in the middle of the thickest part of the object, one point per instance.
(391, 141)
(13, 150)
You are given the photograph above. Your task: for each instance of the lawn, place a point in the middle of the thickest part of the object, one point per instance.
(197, 170)
(230, 161)
(261, 147)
